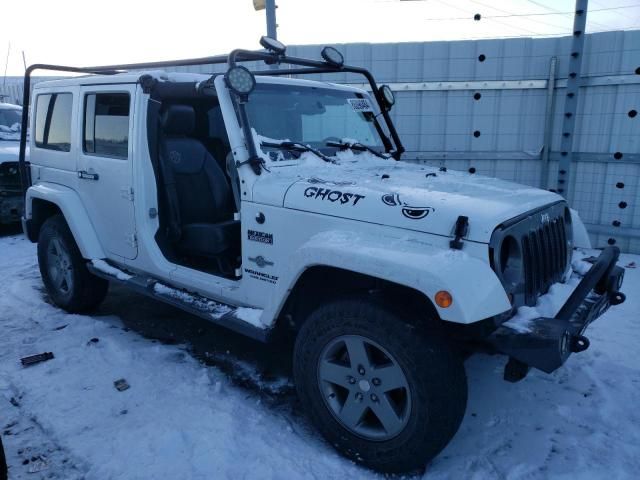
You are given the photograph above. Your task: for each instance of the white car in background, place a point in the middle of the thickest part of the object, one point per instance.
(11, 200)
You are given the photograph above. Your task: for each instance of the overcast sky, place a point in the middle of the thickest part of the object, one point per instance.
(94, 32)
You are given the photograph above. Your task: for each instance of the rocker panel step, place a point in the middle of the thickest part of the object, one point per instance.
(231, 317)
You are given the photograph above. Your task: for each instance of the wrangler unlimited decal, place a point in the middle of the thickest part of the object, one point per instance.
(264, 277)
(333, 195)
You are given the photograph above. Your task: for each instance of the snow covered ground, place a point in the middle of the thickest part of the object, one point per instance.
(213, 405)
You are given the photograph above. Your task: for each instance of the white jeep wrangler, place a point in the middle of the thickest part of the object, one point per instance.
(279, 206)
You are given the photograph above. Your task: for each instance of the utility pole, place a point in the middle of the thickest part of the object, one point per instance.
(6, 65)
(571, 97)
(270, 7)
(271, 19)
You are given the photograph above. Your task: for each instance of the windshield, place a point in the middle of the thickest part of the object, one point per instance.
(313, 116)
(10, 121)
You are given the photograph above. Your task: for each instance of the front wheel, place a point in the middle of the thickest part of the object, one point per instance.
(382, 391)
(64, 272)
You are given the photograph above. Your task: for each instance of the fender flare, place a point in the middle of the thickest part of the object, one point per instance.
(74, 213)
(476, 290)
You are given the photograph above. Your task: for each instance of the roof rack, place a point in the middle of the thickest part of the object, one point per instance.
(239, 55)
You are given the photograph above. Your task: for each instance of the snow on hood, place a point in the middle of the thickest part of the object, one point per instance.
(401, 194)
(10, 133)
(9, 143)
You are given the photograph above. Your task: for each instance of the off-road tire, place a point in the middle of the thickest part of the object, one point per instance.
(434, 373)
(85, 291)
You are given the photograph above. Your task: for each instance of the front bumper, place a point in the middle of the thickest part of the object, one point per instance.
(11, 208)
(550, 341)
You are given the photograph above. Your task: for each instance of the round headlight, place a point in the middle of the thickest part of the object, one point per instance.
(387, 95)
(510, 261)
(240, 80)
(332, 56)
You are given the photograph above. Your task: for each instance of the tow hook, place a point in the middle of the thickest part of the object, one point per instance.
(579, 343)
(617, 298)
(515, 370)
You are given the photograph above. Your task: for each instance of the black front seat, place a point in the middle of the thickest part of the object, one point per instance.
(199, 197)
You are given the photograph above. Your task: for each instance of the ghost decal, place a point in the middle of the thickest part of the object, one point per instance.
(414, 213)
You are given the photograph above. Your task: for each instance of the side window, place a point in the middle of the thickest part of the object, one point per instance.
(53, 121)
(106, 124)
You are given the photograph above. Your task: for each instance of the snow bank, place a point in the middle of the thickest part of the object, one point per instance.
(181, 419)
(178, 420)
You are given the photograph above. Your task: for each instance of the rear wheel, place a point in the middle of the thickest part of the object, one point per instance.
(383, 392)
(64, 272)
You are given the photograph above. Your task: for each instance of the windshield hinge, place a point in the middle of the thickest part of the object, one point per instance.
(132, 240)
(127, 193)
(460, 230)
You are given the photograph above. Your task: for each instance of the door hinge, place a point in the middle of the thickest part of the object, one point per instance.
(127, 193)
(132, 240)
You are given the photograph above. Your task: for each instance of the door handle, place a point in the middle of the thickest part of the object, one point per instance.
(83, 174)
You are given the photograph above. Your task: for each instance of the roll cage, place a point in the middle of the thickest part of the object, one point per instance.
(308, 66)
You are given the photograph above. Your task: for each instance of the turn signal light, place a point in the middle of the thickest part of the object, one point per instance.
(444, 299)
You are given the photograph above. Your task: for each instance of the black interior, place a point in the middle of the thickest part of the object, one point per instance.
(196, 205)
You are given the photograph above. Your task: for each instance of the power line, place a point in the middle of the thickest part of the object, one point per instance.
(589, 20)
(524, 14)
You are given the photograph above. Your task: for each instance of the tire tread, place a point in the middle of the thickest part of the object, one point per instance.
(90, 290)
(436, 367)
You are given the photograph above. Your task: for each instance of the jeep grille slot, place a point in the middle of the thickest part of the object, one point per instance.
(9, 178)
(544, 254)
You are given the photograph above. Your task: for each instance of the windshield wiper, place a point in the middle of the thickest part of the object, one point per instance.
(357, 146)
(298, 147)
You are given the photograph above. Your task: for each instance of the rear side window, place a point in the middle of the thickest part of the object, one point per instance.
(106, 124)
(53, 121)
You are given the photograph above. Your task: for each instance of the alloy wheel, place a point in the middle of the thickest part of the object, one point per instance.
(364, 387)
(60, 267)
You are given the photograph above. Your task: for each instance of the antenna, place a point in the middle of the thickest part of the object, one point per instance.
(6, 65)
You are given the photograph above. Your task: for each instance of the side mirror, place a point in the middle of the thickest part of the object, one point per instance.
(387, 95)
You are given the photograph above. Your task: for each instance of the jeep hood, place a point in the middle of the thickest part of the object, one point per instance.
(398, 194)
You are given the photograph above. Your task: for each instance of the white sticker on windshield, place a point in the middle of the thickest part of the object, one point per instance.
(360, 104)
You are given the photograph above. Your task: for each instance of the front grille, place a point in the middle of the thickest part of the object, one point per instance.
(9, 178)
(542, 238)
(544, 257)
